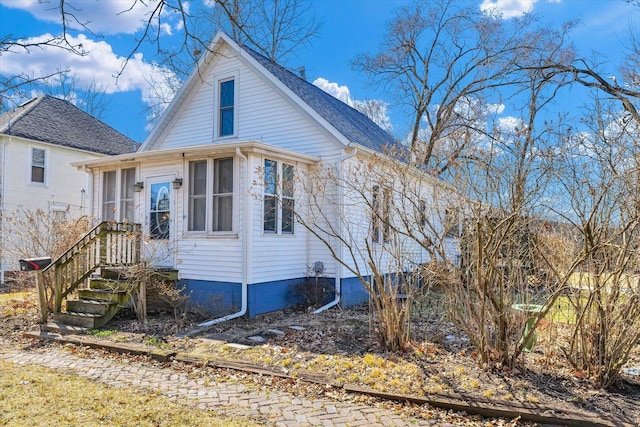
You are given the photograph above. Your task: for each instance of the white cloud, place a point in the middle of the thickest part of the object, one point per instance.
(100, 66)
(100, 17)
(507, 8)
(375, 109)
(510, 125)
(334, 89)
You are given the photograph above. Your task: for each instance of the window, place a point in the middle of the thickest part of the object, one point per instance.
(375, 214)
(278, 215)
(118, 195)
(226, 108)
(451, 223)
(37, 165)
(270, 196)
(127, 206)
(423, 213)
(380, 214)
(109, 196)
(211, 199)
(287, 199)
(197, 196)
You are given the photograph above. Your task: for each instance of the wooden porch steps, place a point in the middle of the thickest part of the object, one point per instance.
(96, 306)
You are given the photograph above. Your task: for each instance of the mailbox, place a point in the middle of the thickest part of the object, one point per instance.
(32, 264)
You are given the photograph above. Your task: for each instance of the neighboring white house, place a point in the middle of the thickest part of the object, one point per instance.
(38, 142)
(213, 184)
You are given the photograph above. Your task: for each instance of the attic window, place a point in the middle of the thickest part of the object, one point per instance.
(37, 165)
(226, 113)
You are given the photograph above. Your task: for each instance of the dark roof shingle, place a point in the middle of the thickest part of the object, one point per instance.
(56, 121)
(351, 123)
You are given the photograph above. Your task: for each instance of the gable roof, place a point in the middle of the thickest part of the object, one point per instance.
(345, 122)
(56, 121)
(354, 125)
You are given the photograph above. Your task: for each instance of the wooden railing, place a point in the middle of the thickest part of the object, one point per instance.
(107, 244)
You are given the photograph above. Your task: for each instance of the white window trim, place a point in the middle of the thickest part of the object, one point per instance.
(208, 232)
(45, 180)
(216, 107)
(279, 198)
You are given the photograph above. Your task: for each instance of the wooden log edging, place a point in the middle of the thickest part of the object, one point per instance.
(470, 404)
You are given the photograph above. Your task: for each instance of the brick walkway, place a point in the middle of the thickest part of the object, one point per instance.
(280, 409)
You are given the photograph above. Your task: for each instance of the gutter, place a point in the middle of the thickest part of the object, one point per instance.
(246, 247)
(338, 292)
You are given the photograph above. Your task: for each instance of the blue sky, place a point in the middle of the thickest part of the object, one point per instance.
(349, 28)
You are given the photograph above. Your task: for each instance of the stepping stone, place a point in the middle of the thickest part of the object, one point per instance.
(275, 332)
(256, 338)
(297, 328)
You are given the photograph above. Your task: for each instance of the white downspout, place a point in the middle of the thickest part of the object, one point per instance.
(336, 300)
(246, 247)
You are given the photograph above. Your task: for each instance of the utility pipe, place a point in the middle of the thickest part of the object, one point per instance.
(339, 266)
(246, 247)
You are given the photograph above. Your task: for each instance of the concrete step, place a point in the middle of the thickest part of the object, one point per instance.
(88, 306)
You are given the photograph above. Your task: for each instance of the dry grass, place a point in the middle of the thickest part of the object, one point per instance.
(36, 396)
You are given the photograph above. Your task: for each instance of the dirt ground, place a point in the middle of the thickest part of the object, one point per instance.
(339, 344)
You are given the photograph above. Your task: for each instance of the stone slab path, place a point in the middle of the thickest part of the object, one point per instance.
(232, 399)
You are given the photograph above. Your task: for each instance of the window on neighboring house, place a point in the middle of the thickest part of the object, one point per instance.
(211, 200)
(118, 195)
(37, 165)
(451, 223)
(226, 108)
(278, 215)
(380, 214)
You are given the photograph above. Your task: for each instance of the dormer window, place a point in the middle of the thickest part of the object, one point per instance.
(226, 108)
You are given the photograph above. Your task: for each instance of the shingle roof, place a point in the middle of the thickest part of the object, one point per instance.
(56, 121)
(351, 123)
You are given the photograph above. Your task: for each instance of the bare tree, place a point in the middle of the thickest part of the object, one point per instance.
(445, 64)
(276, 28)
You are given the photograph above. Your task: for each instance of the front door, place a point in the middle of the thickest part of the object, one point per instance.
(159, 220)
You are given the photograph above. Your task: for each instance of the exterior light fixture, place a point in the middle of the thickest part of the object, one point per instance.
(138, 186)
(176, 183)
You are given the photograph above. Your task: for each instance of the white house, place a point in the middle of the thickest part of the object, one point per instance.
(38, 142)
(213, 182)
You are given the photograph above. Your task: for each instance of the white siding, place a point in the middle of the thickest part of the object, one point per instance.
(62, 189)
(262, 114)
(274, 256)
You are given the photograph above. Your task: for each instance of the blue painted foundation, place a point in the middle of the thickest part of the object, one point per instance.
(353, 293)
(221, 298)
(215, 298)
